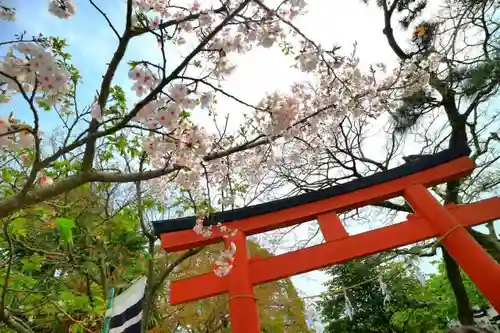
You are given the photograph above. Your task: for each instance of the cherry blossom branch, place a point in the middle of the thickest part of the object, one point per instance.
(37, 151)
(40, 194)
(19, 130)
(35, 167)
(263, 139)
(43, 193)
(93, 133)
(139, 31)
(169, 269)
(222, 91)
(106, 18)
(19, 40)
(88, 156)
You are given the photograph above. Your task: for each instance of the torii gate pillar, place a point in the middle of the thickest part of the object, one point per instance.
(242, 302)
(481, 268)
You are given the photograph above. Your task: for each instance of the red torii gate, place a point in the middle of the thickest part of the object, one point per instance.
(410, 180)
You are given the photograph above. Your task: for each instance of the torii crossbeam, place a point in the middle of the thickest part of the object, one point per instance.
(410, 180)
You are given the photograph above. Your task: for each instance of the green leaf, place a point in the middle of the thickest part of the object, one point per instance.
(121, 143)
(44, 105)
(18, 227)
(132, 64)
(7, 175)
(65, 227)
(77, 328)
(32, 264)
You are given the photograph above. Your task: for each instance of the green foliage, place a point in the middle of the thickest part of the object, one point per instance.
(411, 9)
(484, 76)
(411, 110)
(412, 308)
(63, 255)
(118, 103)
(370, 313)
(66, 229)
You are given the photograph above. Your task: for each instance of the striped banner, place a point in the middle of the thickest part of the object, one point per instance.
(125, 316)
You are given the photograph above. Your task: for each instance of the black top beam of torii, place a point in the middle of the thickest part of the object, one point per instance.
(414, 164)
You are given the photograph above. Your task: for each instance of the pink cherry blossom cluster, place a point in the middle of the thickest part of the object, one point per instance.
(44, 180)
(415, 73)
(308, 61)
(144, 80)
(224, 263)
(225, 260)
(166, 112)
(157, 11)
(37, 69)
(12, 139)
(7, 14)
(337, 88)
(278, 114)
(200, 229)
(186, 143)
(62, 8)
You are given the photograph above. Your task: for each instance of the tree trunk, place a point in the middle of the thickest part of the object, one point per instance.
(458, 139)
(489, 242)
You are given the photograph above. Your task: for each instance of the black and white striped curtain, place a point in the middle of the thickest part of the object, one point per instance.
(126, 313)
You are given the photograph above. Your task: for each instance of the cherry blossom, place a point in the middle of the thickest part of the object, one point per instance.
(7, 14)
(200, 229)
(62, 8)
(205, 19)
(196, 6)
(155, 24)
(206, 99)
(178, 93)
(25, 159)
(45, 180)
(224, 263)
(144, 78)
(95, 111)
(21, 73)
(308, 61)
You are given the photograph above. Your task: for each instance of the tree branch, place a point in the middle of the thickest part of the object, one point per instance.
(172, 266)
(107, 19)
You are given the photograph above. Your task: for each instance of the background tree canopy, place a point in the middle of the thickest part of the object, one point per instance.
(412, 307)
(60, 268)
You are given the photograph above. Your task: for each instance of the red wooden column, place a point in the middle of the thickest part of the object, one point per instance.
(243, 310)
(331, 227)
(483, 270)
